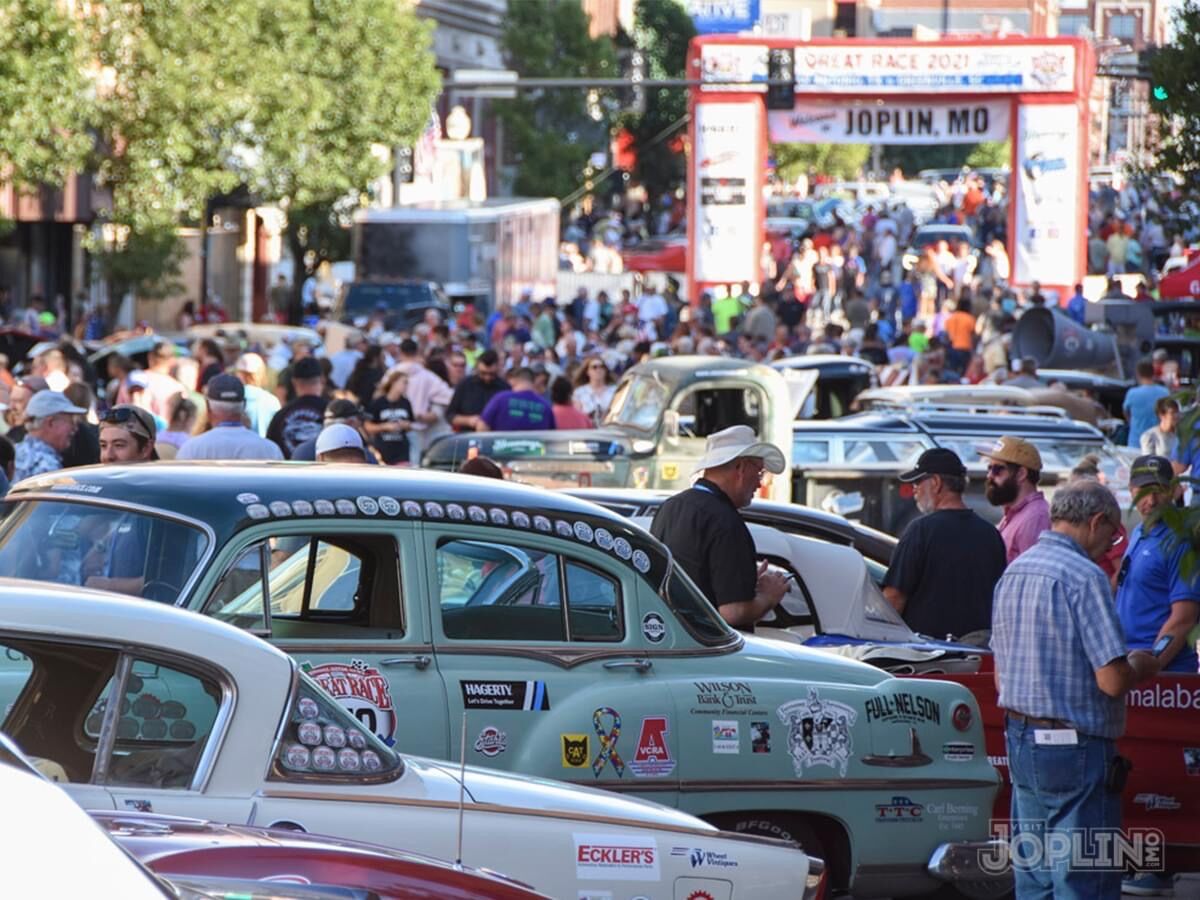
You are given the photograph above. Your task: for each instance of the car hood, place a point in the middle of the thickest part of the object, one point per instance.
(504, 789)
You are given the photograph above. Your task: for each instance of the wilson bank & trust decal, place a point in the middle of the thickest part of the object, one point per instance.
(727, 698)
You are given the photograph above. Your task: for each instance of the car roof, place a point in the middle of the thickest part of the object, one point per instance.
(865, 421)
(948, 423)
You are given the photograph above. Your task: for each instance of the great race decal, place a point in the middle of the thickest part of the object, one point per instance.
(363, 691)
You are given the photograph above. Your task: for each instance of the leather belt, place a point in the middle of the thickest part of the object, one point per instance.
(1023, 719)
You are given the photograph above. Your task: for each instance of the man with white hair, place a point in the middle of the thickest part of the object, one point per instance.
(49, 426)
(706, 533)
(229, 438)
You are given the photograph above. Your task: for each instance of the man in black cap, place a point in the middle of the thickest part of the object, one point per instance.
(948, 561)
(338, 412)
(303, 418)
(229, 437)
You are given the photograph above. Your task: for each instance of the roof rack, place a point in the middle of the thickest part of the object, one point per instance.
(920, 406)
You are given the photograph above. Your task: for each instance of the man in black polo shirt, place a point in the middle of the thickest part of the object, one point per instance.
(706, 534)
(474, 392)
(946, 566)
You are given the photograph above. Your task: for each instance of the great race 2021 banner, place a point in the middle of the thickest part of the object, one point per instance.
(1047, 193)
(891, 122)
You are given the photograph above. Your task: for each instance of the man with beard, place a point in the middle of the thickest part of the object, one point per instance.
(1014, 469)
(948, 561)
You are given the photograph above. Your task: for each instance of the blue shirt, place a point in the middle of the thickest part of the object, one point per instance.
(1053, 625)
(518, 411)
(1151, 580)
(1077, 308)
(1139, 406)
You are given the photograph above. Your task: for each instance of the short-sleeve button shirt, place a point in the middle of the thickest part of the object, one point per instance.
(1151, 580)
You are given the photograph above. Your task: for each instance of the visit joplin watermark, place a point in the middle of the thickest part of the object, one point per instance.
(1034, 845)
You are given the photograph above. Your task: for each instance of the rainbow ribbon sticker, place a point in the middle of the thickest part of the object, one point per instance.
(608, 741)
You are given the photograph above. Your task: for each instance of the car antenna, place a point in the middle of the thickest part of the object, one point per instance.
(462, 786)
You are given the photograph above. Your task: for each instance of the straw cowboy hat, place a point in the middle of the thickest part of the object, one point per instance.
(735, 442)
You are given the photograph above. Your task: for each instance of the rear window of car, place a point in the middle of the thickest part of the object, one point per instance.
(365, 298)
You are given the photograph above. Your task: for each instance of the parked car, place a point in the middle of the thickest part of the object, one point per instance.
(403, 301)
(839, 380)
(176, 847)
(564, 635)
(931, 234)
(149, 708)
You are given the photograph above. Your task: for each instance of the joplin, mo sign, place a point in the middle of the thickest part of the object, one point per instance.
(892, 92)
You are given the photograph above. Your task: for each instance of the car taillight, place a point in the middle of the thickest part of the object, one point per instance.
(961, 717)
(817, 882)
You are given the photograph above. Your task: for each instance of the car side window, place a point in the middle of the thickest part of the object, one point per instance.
(167, 718)
(810, 452)
(500, 591)
(312, 584)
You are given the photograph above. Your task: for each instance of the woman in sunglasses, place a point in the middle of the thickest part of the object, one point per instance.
(594, 389)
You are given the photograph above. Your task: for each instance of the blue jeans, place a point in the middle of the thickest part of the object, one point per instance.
(1060, 789)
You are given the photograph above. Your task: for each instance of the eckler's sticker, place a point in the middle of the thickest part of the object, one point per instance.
(654, 629)
(491, 741)
(390, 506)
(363, 691)
(604, 539)
(257, 511)
(302, 508)
(411, 508)
(344, 507)
(323, 507)
(576, 751)
(818, 732)
(280, 508)
(616, 857)
(760, 737)
(958, 751)
(725, 737)
(622, 548)
(520, 519)
(641, 561)
(652, 759)
(247, 498)
(456, 512)
(368, 506)
(507, 695)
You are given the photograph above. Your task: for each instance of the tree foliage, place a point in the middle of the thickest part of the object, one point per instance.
(837, 160)
(662, 29)
(551, 132)
(45, 97)
(1175, 69)
(911, 159)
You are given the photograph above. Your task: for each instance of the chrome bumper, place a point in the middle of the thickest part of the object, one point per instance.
(977, 868)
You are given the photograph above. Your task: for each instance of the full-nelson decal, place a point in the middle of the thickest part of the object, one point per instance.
(903, 707)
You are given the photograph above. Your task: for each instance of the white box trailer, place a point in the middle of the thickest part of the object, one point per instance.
(487, 252)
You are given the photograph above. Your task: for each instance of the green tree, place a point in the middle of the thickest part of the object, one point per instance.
(911, 158)
(552, 133)
(45, 95)
(662, 30)
(838, 160)
(1175, 75)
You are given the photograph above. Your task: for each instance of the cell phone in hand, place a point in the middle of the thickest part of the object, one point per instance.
(1161, 645)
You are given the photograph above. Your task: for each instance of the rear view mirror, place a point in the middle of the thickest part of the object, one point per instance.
(845, 505)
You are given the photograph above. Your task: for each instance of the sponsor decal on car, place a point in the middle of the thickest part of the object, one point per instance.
(576, 751)
(725, 738)
(952, 816)
(652, 759)
(731, 698)
(491, 741)
(363, 690)
(899, 809)
(819, 732)
(505, 695)
(760, 737)
(616, 857)
(698, 858)
(607, 740)
(958, 751)
(654, 629)
(911, 709)
(1155, 802)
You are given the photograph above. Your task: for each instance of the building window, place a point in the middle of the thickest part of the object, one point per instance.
(1124, 26)
(1073, 24)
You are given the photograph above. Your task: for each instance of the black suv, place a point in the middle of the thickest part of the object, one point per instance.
(403, 301)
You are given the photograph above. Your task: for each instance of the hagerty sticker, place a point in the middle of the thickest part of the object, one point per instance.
(523, 695)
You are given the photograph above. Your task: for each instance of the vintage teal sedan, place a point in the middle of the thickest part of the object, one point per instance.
(545, 635)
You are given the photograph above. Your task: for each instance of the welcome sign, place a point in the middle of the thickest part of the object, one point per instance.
(888, 122)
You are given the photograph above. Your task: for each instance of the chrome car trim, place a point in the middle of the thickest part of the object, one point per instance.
(844, 784)
(569, 658)
(963, 861)
(71, 497)
(914, 758)
(365, 797)
(216, 737)
(358, 648)
(108, 727)
(281, 729)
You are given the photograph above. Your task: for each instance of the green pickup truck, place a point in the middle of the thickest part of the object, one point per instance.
(545, 635)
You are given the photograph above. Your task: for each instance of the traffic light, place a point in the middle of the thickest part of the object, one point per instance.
(404, 165)
(781, 66)
(1159, 92)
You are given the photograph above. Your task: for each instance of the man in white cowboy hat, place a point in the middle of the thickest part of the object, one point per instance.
(706, 534)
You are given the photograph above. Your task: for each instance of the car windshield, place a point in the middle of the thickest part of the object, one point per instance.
(692, 609)
(106, 547)
(638, 403)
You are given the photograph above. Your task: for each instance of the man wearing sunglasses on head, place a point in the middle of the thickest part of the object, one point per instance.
(1014, 469)
(127, 435)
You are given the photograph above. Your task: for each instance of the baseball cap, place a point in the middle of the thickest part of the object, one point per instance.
(341, 409)
(935, 461)
(51, 403)
(250, 362)
(1014, 450)
(306, 369)
(338, 437)
(1149, 469)
(133, 419)
(226, 388)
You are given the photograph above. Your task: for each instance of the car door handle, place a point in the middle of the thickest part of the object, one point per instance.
(419, 662)
(642, 665)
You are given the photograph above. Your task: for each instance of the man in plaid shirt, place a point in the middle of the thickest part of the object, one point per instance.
(1062, 673)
